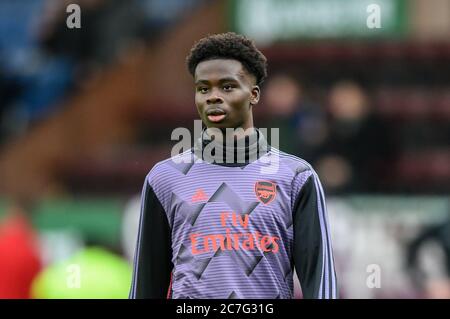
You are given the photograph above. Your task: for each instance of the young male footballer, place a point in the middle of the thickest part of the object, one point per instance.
(221, 220)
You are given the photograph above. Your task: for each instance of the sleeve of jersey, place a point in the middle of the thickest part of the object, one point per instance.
(313, 255)
(152, 261)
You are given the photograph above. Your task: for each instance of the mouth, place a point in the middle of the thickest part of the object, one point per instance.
(215, 115)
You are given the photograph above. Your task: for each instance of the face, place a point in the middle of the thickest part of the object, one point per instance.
(225, 93)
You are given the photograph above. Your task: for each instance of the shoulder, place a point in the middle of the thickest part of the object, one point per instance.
(297, 164)
(165, 170)
(302, 171)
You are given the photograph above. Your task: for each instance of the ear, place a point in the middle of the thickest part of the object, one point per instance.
(256, 92)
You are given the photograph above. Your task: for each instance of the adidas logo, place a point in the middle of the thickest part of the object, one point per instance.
(199, 196)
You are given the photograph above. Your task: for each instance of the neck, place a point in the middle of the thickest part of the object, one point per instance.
(233, 149)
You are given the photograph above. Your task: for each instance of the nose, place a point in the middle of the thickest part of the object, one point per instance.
(214, 99)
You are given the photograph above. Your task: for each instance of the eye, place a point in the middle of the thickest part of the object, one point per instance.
(202, 89)
(227, 87)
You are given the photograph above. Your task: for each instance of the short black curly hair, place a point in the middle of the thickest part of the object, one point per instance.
(229, 46)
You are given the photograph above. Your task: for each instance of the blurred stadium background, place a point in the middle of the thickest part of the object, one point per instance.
(85, 113)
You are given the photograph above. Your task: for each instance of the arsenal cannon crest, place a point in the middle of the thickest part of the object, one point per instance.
(265, 191)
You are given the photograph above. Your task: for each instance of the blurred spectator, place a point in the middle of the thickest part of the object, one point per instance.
(9, 90)
(357, 150)
(35, 80)
(432, 280)
(300, 122)
(19, 254)
(43, 58)
(107, 28)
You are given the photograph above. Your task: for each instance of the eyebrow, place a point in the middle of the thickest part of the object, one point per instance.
(227, 79)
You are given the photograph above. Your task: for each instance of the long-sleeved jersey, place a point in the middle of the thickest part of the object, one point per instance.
(211, 230)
